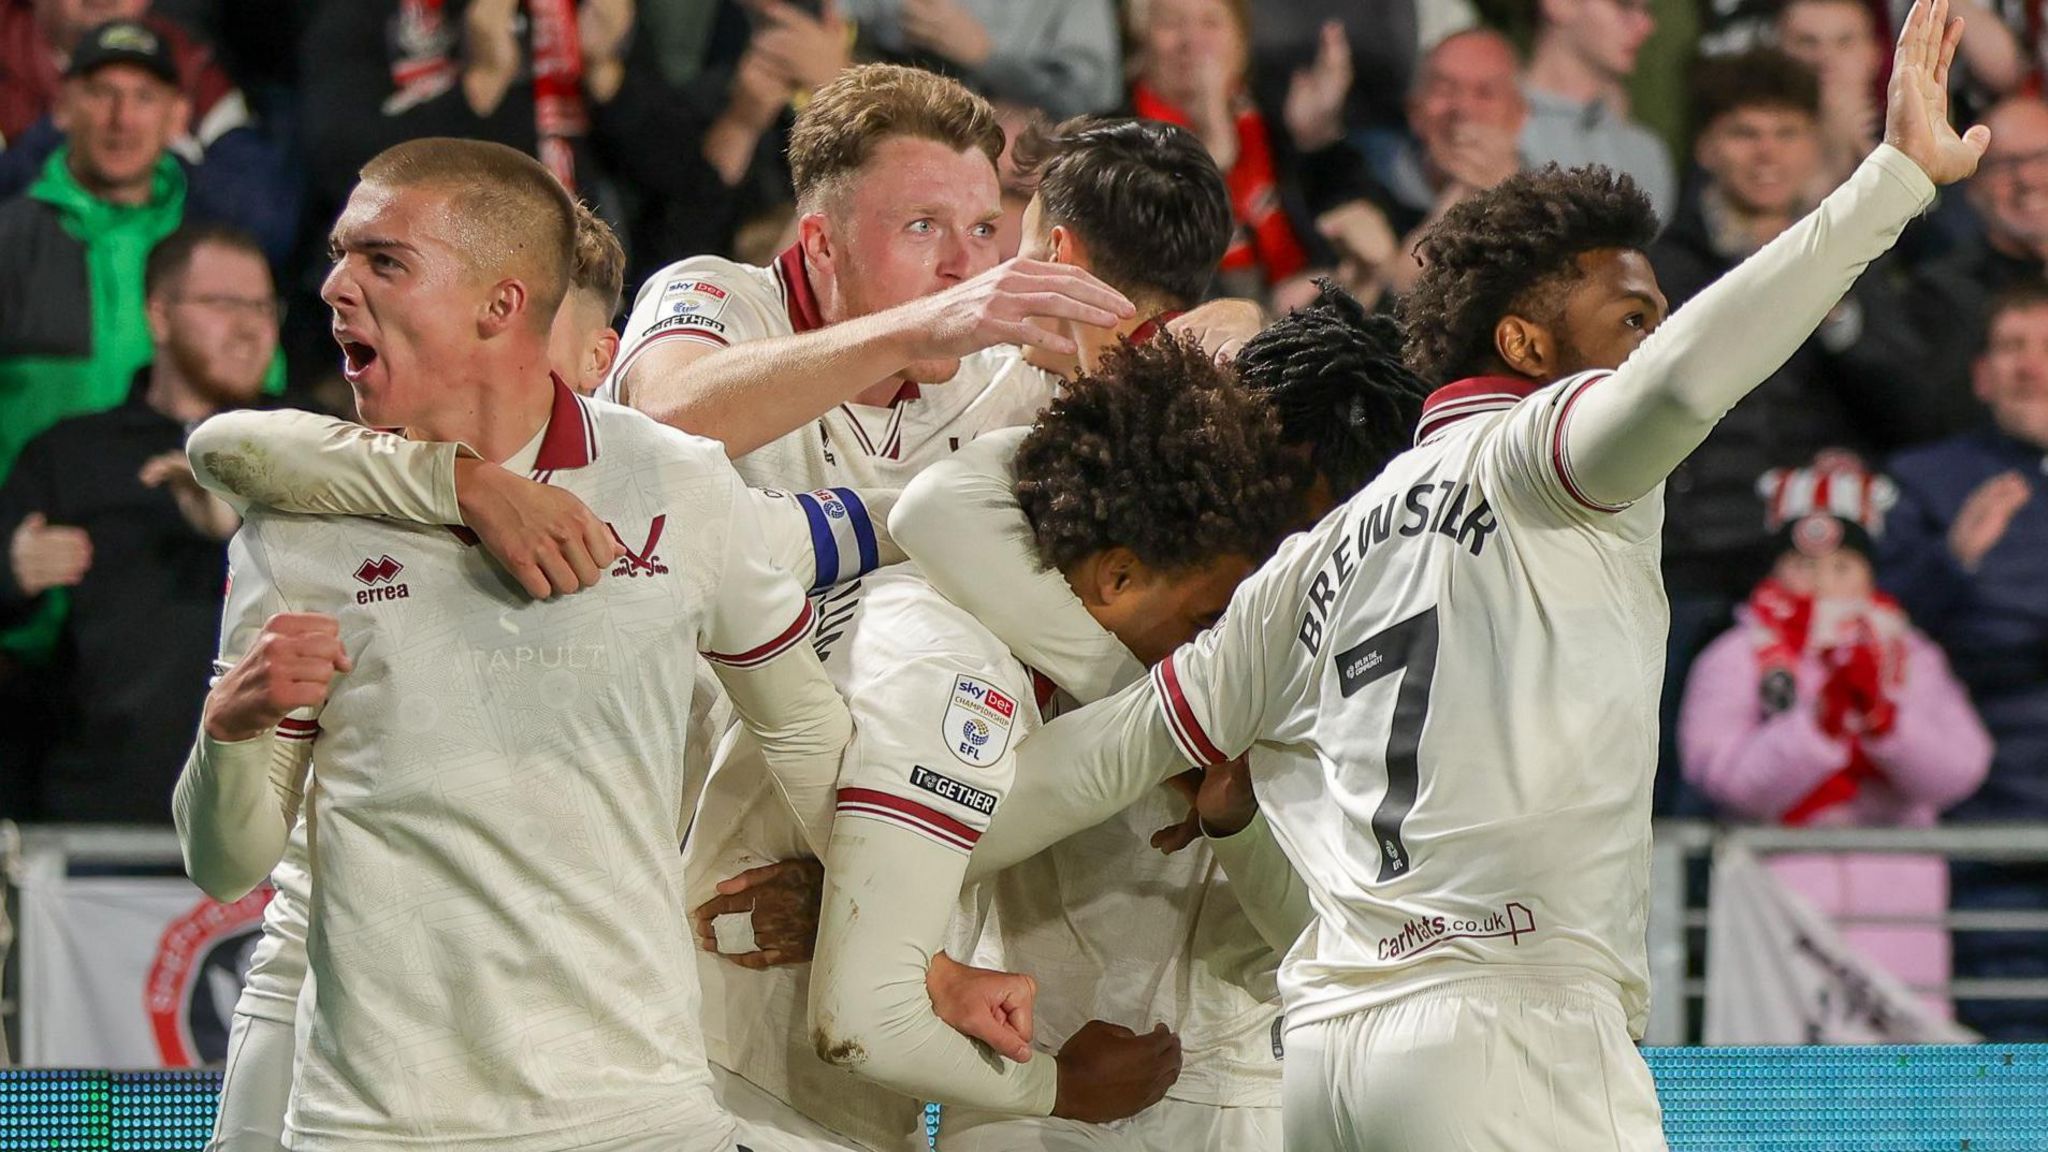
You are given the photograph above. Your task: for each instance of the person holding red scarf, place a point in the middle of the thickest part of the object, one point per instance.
(1825, 706)
(1191, 61)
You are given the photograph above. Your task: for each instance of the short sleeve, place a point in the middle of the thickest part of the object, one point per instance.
(704, 300)
(758, 609)
(1236, 683)
(824, 537)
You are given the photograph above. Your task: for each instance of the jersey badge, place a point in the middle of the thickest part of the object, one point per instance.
(379, 580)
(978, 722)
(644, 562)
(693, 298)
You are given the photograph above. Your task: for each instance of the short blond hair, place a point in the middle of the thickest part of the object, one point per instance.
(844, 121)
(513, 216)
(600, 267)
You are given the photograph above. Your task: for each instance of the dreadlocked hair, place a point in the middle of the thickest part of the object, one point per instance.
(1334, 375)
(1507, 250)
(1161, 451)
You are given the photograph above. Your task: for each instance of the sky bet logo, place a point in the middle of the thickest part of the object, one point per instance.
(377, 576)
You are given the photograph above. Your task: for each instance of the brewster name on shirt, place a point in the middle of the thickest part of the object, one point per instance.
(1452, 508)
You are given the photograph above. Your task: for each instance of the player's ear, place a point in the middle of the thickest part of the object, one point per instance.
(1116, 574)
(1065, 247)
(604, 351)
(1526, 347)
(814, 237)
(507, 303)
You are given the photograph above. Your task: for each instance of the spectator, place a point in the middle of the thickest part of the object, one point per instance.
(1056, 55)
(1838, 40)
(1967, 555)
(1465, 118)
(1385, 39)
(37, 38)
(1585, 51)
(1825, 706)
(2010, 196)
(1191, 57)
(72, 248)
(1861, 382)
(105, 506)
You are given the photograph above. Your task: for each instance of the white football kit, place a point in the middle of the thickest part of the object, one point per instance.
(495, 902)
(707, 300)
(302, 462)
(1109, 927)
(1456, 676)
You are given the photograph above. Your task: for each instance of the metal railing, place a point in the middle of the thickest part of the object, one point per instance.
(1678, 914)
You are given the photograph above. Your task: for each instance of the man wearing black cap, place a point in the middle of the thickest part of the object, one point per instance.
(72, 328)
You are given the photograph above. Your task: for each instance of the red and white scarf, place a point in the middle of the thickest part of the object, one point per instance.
(424, 48)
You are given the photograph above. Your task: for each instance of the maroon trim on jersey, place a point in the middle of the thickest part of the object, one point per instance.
(1155, 325)
(571, 438)
(293, 728)
(1562, 463)
(797, 294)
(755, 657)
(910, 814)
(1470, 397)
(1180, 719)
(711, 338)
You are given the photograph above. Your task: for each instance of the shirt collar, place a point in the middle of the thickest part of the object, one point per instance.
(1153, 326)
(797, 294)
(569, 439)
(1470, 397)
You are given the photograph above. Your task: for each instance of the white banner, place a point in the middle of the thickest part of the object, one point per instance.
(1779, 973)
(130, 972)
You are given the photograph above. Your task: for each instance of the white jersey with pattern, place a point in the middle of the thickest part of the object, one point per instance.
(495, 902)
(1454, 682)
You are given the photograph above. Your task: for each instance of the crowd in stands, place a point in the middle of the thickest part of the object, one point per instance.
(1856, 557)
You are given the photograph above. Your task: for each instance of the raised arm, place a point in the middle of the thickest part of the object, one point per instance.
(959, 519)
(1625, 434)
(752, 392)
(321, 466)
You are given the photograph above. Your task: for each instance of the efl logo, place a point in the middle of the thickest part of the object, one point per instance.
(377, 576)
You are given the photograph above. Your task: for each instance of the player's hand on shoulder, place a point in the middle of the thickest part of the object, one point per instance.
(1916, 118)
(1019, 301)
(984, 1004)
(290, 666)
(1108, 1072)
(781, 900)
(551, 542)
(1220, 326)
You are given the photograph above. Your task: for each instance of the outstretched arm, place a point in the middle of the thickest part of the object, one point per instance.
(1621, 437)
(752, 393)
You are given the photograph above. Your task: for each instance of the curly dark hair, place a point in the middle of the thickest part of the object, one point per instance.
(1161, 451)
(1510, 249)
(1334, 375)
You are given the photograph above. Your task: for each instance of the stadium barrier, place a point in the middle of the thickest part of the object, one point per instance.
(1980, 1098)
(1973, 1099)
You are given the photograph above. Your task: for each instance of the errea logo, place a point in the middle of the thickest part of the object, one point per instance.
(377, 578)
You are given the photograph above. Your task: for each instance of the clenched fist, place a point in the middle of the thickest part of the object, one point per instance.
(291, 664)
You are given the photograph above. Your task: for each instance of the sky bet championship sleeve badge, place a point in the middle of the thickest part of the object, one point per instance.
(978, 722)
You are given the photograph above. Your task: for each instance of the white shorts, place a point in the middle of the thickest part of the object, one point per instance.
(1168, 1126)
(256, 1084)
(769, 1125)
(1482, 1065)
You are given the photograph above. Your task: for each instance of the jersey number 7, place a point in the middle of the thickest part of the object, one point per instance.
(1409, 646)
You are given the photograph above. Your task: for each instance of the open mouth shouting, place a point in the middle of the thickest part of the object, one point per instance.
(357, 356)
